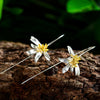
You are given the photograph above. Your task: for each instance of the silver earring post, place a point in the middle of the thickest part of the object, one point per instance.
(40, 73)
(86, 50)
(16, 64)
(55, 40)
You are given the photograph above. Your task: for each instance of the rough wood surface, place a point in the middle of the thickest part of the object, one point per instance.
(51, 85)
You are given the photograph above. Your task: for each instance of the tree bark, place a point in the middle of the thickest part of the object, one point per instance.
(51, 85)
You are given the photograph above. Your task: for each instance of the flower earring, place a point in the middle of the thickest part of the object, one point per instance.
(38, 49)
(72, 61)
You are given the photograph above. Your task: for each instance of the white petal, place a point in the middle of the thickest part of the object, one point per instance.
(71, 69)
(65, 69)
(34, 40)
(70, 50)
(38, 55)
(30, 52)
(33, 46)
(63, 60)
(77, 70)
(47, 56)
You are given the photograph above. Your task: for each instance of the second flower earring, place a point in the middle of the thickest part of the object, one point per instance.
(72, 61)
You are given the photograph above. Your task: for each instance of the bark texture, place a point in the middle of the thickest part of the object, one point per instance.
(51, 85)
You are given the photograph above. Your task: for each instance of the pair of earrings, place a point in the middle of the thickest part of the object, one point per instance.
(41, 49)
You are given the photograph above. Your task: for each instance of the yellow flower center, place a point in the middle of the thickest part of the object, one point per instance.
(42, 48)
(74, 60)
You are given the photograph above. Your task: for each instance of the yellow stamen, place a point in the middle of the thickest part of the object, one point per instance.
(42, 48)
(74, 60)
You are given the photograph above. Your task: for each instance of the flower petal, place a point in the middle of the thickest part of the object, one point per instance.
(34, 40)
(47, 56)
(63, 60)
(38, 55)
(65, 69)
(30, 52)
(77, 70)
(33, 46)
(70, 50)
(71, 69)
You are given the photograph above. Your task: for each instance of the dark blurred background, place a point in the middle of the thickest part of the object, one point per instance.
(79, 20)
